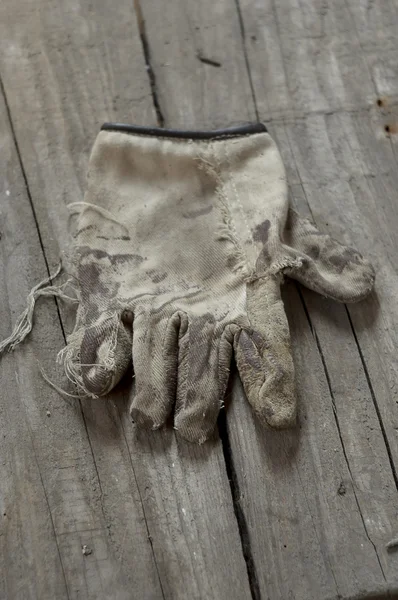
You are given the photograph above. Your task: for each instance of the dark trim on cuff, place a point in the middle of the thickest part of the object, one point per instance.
(248, 129)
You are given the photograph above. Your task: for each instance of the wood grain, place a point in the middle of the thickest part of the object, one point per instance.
(311, 56)
(157, 515)
(315, 506)
(30, 561)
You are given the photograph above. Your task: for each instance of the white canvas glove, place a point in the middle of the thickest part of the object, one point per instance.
(180, 249)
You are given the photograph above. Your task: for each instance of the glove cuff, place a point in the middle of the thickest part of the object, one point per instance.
(247, 129)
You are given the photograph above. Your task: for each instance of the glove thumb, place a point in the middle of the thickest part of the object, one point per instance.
(325, 265)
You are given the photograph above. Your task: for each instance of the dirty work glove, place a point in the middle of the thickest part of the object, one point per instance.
(180, 249)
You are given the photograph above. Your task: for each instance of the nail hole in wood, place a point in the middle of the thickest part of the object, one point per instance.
(382, 101)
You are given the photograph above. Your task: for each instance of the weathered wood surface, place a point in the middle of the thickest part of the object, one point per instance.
(316, 506)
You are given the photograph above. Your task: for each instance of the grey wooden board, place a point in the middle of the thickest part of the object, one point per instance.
(52, 496)
(315, 56)
(30, 561)
(316, 70)
(306, 539)
(157, 513)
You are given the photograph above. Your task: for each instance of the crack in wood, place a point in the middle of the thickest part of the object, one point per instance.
(245, 54)
(149, 537)
(29, 196)
(238, 510)
(148, 64)
(14, 138)
(374, 399)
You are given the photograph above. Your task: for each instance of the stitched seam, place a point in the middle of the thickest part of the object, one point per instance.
(276, 269)
(228, 201)
(229, 230)
(238, 201)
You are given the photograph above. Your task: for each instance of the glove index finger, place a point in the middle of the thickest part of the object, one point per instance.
(263, 356)
(267, 374)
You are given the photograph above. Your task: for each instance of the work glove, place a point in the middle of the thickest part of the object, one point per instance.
(180, 248)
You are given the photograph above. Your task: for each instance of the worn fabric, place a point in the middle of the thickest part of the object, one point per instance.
(180, 248)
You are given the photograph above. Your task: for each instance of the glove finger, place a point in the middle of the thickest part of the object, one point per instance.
(105, 354)
(155, 350)
(203, 369)
(263, 357)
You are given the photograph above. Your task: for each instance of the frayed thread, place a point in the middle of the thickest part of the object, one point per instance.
(69, 358)
(54, 386)
(24, 323)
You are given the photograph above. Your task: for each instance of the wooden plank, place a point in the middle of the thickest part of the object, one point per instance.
(52, 496)
(319, 57)
(85, 508)
(332, 160)
(304, 57)
(30, 561)
(307, 499)
(305, 527)
(186, 500)
(71, 69)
